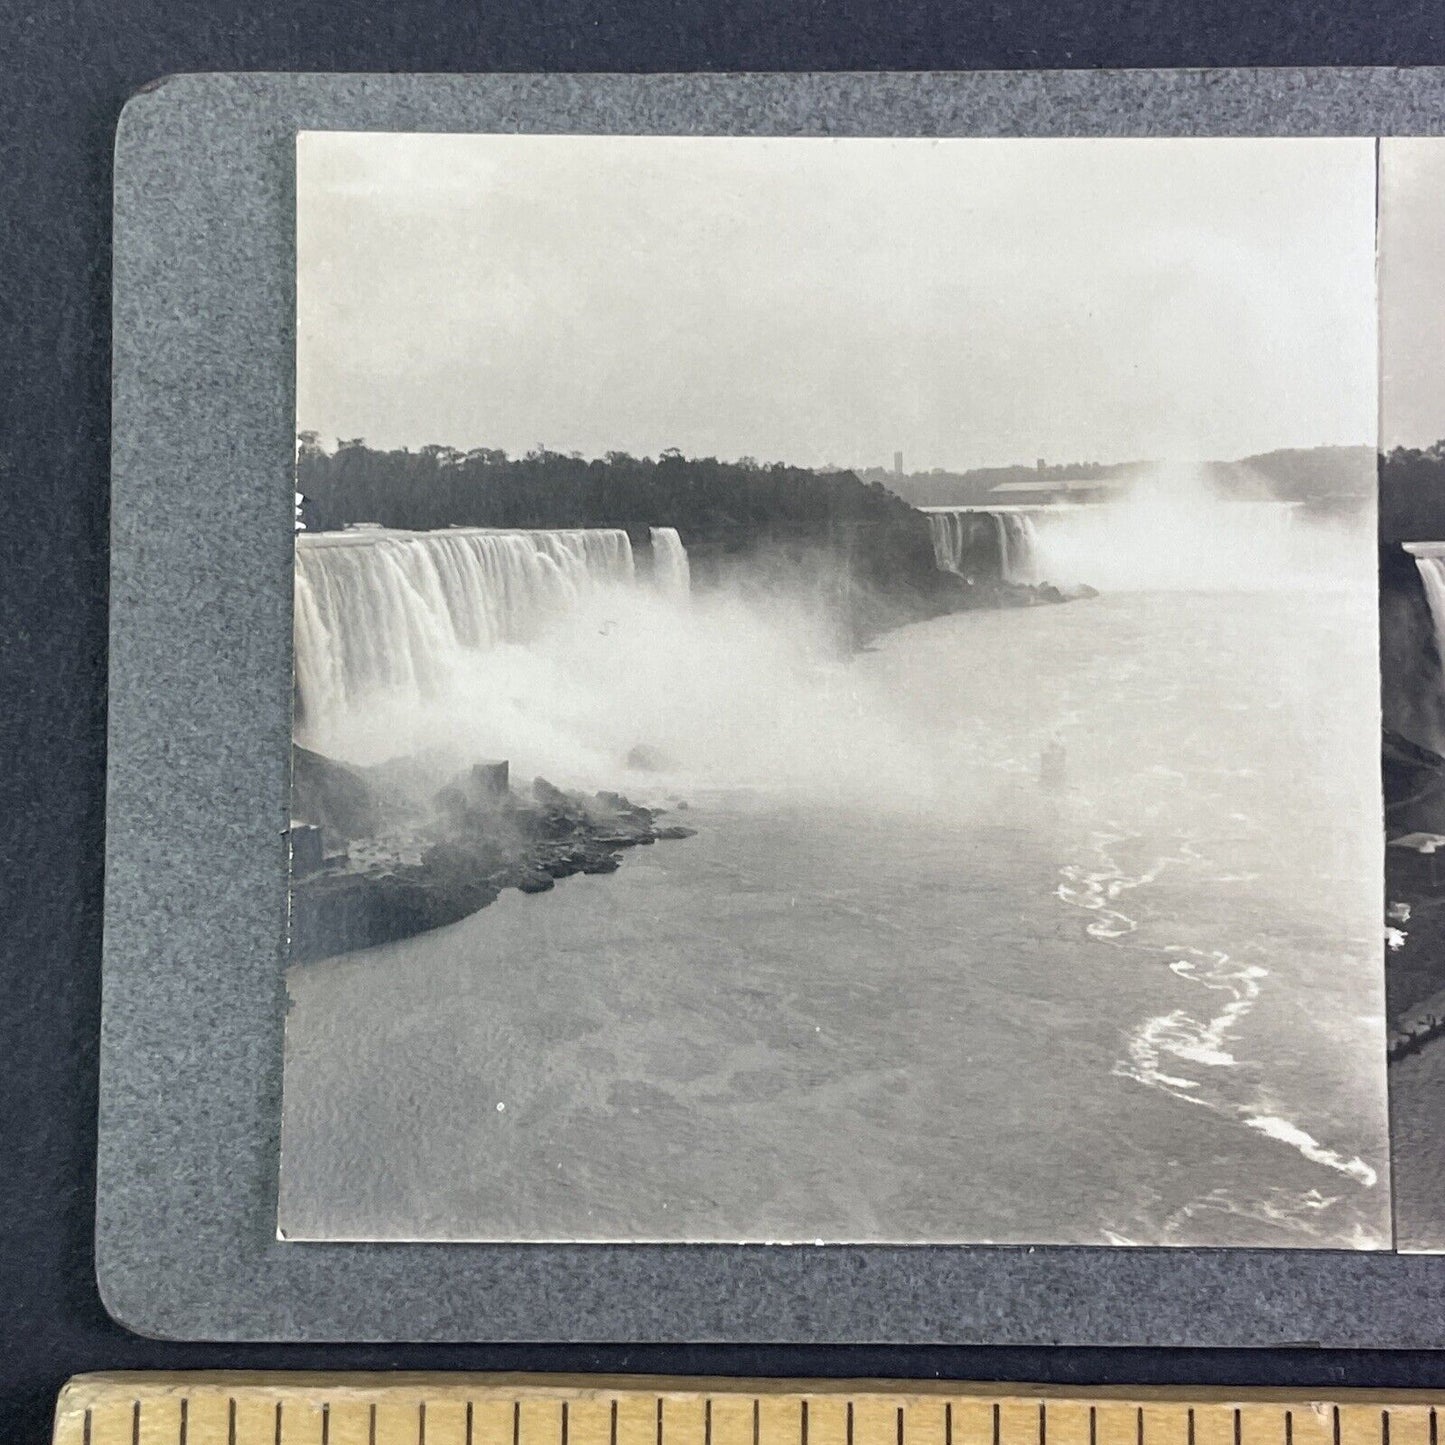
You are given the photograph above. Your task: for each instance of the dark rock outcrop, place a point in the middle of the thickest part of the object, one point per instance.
(335, 796)
(413, 865)
(1412, 687)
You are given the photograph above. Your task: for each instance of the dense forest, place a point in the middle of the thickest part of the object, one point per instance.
(1412, 494)
(439, 487)
(719, 508)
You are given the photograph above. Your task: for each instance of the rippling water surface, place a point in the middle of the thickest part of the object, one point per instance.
(1142, 1005)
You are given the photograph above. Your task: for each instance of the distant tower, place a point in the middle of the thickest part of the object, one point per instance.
(897, 464)
(1040, 464)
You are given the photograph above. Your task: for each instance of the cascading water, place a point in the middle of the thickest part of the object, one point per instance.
(392, 611)
(671, 574)
(1430, 562)
(1019, 547)
(953, 532)
(963, 536)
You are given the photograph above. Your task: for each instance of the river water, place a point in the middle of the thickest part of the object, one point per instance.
(1142, 1004)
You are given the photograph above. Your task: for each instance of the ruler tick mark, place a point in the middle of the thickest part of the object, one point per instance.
(311, 1419)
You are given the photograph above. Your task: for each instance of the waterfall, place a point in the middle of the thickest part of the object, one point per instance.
(671, 574)
(948, 531)
(1019, 547)
(1430, 562)
(962, 535)
(380, 610)
(1001, 538)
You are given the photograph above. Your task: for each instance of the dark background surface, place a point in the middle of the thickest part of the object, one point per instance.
(66, 67)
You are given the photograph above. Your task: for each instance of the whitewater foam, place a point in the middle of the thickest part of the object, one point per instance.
(1095, 889)
(1165, 1049)
(1297, 1138)
(397, 612)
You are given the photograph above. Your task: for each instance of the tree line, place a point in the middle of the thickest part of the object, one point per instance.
(1412, 494)
(730, 505)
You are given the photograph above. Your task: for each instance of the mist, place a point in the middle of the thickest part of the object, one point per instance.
(1174, 531)
(753, 685)
(740, 687)
(1075, 865)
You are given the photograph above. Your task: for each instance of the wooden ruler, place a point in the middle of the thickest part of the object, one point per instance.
(300, 1409)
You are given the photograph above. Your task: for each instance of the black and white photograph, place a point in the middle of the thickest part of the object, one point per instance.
(837, 692)
(1412, 640)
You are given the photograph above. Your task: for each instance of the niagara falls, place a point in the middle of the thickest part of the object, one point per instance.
(835, 694)
(1126, 939)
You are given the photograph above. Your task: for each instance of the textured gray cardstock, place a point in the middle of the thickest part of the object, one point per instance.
(200, 696)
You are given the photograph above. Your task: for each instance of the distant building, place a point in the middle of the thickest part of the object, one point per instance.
(897, 464)
(1054, 490)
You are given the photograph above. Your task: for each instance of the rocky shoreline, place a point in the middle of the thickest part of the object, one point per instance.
(1414, 789)
(871, 615)
(384, 852)
(1414, 976)
(379, 854)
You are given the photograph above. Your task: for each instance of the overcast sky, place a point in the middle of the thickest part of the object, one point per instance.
(1412, 292)
(969, 302)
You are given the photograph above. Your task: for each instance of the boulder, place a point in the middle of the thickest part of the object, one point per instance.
(551, 796)
(479, 839)
(334, 796)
